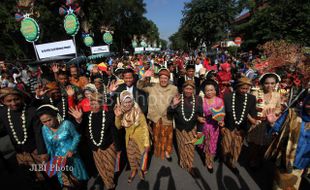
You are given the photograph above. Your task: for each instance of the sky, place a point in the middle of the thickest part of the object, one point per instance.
(166, 14)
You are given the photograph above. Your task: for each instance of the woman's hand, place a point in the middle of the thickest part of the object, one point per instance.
(117, 110)
(198, 135)
(201, 119)
(70, 90)
(113, 86)
(271, 116)
(69, 154)
(76, 113)
(221, 123)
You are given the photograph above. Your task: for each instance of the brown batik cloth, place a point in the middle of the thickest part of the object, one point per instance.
(28, 159)
(185, 149)
(105, 162)
(231, 145)
(134, 155)
(69, 180)
(163, 135)
(285, 181)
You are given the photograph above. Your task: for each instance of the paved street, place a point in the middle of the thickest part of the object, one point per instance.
(164, 175)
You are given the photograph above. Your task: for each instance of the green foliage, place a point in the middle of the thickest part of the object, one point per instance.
(205, 21)
(282, 19)
(125, 17)
(177, 42)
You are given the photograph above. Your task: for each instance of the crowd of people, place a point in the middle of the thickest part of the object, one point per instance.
(98, 117)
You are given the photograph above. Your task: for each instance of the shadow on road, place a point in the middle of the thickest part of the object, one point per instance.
(201, 179)
(164, 172)
(143, 185)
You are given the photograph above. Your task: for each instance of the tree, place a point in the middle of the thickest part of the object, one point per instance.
(125, 17)
(177, 41)
(281, 19)
(207, 21)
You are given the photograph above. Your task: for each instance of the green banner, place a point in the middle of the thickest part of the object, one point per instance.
(30, 29)
(71, 24)
(108, 38)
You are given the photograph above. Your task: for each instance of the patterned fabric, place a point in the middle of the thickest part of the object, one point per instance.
(286, 146)
(258, 134)
(28, 159)
(54, 163)
(163, 135)
(69, 180)
(130, 117)
(136, 158)
(159, 100)
(105, 161)
(232, 144)
(139, 133)
(185, 149)
(284, 181)
(58, 143)
(211, 127)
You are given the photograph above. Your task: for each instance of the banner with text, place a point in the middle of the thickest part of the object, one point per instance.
(56, 49)
(100, 49)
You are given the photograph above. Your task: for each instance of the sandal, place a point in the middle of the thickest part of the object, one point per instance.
(132, 176)
(141, 175)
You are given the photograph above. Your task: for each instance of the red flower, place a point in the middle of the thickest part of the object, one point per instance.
(259, 109)
(260, 100)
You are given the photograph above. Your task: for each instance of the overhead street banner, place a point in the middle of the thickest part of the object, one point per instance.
(100, 49)
(56, 49)
(139, 49)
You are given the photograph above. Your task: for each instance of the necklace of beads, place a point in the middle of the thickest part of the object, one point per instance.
(243, 109)
(63, 106)
(23, 126)
(182, 108)
(102, 129)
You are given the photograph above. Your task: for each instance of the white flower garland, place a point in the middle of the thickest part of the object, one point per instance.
(102, 129)
(182, 108)
(243, 109)
(63, 106)
(23, 126)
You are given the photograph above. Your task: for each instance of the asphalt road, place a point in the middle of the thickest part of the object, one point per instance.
(164, 175)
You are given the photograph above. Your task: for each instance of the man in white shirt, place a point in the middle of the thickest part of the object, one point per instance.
(198, 66)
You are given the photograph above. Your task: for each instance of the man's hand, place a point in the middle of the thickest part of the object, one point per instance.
(55, 68)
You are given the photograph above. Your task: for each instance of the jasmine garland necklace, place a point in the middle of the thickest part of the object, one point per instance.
(23, 126)
(182, 108)
(243, 108)
(102, 129)
(63, 106)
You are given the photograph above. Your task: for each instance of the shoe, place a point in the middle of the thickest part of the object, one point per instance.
(235, 170)
(193, 173)
(168, 157)
(141, 175)
(132, 176)
(210, 169)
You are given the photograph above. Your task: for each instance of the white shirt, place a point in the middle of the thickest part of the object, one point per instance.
(130, 89)
(197, 69)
